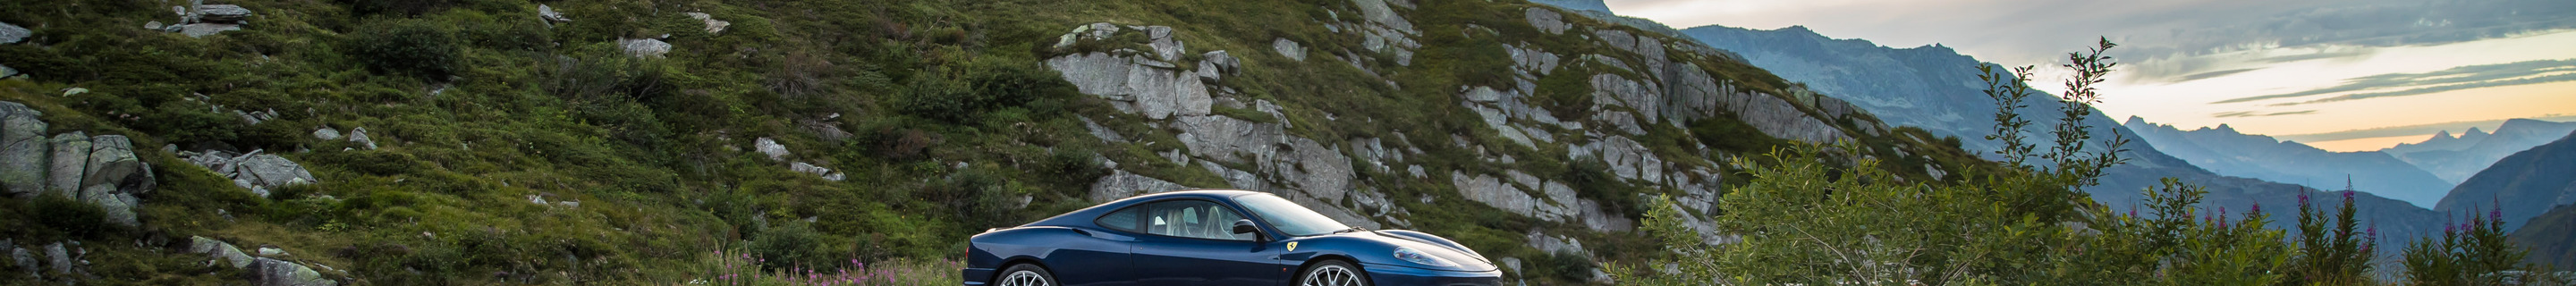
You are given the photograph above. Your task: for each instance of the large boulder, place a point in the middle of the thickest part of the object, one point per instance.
(270, 170)
(71, 160)
(22, 149)
(770, 147)
(12, 34)
(644, 48)
(1547, 20)
(219, 251)
(273, 272)
(1289, 49)
(201, 30)
(220, 13)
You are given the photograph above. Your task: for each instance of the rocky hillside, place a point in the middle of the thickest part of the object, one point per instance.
(2458, 158)
(500, 141)
(2522, 185)
(2224, 151)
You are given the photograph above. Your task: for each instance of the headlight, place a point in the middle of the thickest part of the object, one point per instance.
(1417, 257)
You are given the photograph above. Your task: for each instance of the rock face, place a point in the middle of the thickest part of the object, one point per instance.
(1557, 206)
(1120, 184)
(101, 171)
(1136, 84)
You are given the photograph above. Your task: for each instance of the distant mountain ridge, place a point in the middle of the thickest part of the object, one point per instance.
(2522, 185)
(2457, 158)
(1935, 88)
(2223, 150)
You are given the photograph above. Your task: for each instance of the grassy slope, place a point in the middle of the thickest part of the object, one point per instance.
(657, 150)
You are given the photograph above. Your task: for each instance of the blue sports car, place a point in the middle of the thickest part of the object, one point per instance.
(1215, 237)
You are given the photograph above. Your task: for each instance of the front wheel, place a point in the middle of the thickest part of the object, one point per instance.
(1025, 275)
(1332, 273)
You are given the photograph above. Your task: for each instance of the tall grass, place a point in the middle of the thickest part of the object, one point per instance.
(742, 268)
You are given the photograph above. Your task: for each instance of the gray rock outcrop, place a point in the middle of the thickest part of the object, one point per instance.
(12, 34)
(200, 30)
(1136, 84)
(253, 171)
(359, 136)
(551, 16)
(71, 160)
(221, 13)
(766, 146)
(326, 133)
(218, 251)
(644, 48)
(1288, 49)
(22, 149)
(1120, 184)
(713, 26)
(1499, 194)
(1546, 20)
(272, 272)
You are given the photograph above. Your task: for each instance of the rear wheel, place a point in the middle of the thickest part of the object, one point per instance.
(1332, 273)
(1025, 275)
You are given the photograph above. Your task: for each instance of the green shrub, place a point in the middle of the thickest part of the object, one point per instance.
(412, 47)
(791, 244)
(398, 7)
(70, 216)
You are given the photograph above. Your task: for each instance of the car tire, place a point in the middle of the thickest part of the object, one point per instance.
(1024, 275)
(1333, 273)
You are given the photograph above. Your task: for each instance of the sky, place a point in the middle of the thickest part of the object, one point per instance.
(2325, 71)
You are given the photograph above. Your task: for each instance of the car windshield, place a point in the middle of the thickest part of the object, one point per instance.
(1288, 217)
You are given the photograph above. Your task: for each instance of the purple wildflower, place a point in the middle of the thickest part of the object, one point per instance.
(2258, 208)
(2347, 195)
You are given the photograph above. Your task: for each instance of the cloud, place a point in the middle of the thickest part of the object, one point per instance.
(2199, 76)
(2259, 114)
(2456, 78)
(2019, 32)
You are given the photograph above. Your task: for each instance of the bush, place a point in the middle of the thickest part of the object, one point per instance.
(791, 244)
(412, 47)
(70, 216)
(990, 83)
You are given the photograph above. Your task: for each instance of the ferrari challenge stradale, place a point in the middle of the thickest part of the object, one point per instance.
(1215, 237)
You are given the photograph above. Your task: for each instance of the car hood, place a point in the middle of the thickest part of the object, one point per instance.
(1466, 259)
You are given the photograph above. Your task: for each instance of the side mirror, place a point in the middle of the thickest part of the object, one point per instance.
(1244, 226)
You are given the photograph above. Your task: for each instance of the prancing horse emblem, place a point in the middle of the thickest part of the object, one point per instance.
(1292, 246)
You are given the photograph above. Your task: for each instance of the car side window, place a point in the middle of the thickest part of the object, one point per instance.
(1123, 219)
(1180, 218)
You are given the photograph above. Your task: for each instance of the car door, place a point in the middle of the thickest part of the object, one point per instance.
(1190, 242)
